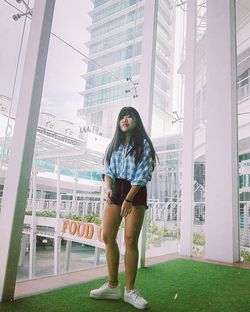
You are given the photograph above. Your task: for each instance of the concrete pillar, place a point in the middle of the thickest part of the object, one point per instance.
(97, 256)
(18, 174)
(186, 239)
(74, 199)
(57, 236)
(146, 88)
(67, 255)
(23, 250)
(33, 230)
(222, 211)
(101, 200)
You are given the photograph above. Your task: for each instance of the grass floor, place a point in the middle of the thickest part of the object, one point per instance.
(177, 286)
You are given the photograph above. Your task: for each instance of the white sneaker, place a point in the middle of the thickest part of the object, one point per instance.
(106, 292)
(133, 297)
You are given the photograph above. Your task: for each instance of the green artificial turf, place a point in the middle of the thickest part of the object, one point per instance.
(176, 286)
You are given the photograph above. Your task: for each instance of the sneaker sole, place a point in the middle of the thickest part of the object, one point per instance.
(135, 305)
(109, 297)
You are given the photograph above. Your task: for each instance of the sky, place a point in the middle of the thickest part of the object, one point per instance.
(63, 81)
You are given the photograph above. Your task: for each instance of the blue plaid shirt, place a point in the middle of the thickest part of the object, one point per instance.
(122, 165)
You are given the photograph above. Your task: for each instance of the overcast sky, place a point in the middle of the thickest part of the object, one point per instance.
(63, 80)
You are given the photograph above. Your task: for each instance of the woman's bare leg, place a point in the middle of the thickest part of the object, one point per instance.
(133, 224)
(110, 226)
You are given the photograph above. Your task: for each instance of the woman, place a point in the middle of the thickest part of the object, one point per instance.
(129, 162)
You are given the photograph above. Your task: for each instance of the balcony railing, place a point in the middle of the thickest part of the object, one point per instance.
(158, 212)
(67, 207)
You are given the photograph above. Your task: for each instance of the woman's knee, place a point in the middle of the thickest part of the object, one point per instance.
(108, 239)
(131, 241)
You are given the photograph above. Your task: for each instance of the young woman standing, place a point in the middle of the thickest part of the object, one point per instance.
(129, 162)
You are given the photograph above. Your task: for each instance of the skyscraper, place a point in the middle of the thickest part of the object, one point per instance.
(114, 63)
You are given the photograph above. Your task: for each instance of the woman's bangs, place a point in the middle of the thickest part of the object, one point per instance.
(126, 111)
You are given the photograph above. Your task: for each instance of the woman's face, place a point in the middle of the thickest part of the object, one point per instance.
(127, 123)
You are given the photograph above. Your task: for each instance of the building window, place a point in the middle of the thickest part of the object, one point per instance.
(115, 57)
(96, 118)
(117, 22)
(112, 9)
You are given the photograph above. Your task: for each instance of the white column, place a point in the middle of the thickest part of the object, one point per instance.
(33, 230)
(146, 88)
(101, 200)
(146, 85)
(222, 220)
(18, 174)
(23, 250)
(246, 218)
(57, 236)
(188, 134)
(67, 255)
(97, 256)
(74, 199)
(157, 180)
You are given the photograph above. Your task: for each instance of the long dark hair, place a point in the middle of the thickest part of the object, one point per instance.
(137, 138)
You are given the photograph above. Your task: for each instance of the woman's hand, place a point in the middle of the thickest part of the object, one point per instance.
(108, 195)
(126, 208)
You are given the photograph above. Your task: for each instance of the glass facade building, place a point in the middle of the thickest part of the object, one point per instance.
(114, 64)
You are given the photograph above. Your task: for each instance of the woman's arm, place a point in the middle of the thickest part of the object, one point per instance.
(127, 203)
(108, 188)
(143, 174)
(133, 191)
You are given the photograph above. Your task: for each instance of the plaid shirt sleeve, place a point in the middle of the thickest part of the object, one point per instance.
(109, 169)
(144, 168)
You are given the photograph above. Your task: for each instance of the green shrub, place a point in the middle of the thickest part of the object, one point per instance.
(52, 214)
(199, 239)
(156, 236)
(245, 256)
(88, 218)
(48, 214)
(168, 233)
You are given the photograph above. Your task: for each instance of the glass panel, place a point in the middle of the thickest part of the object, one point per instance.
(164, 189)
(11, 64)
(244, 142)
(243, 71)
(84, 89)
(13, 26)
(65, 195)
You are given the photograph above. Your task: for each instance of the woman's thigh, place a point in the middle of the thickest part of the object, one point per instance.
(133, 223)
(111, 221)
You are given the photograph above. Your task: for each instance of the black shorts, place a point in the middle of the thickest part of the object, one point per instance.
(120, 189)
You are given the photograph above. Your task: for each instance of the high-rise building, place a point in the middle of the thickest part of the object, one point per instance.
(114, 63)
